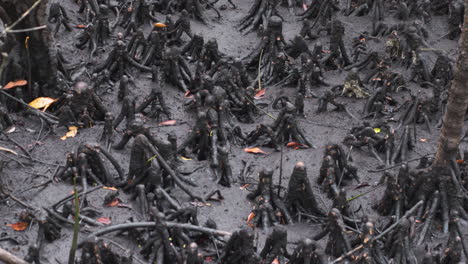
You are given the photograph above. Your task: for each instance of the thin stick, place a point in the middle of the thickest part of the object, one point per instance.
(281, 171)
(119, 227)
(9, 258)
(259, 71)
(27, 29)
(19, 146)
(398, 165)
(9, 28)
(76, 225)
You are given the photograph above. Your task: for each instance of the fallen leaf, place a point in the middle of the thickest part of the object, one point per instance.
(188, 94)
(460, 161)
(260, 94)
(20, 226)
(8, 150)
(104, 220)
(304, 6)
(168, 123)
(296, 145)
(275, 261)
(160, 25)
(11, 130)
(80, 26)
(110, 188)
(42, 102)
(244, 187)
(250, 217)
(72, 131)
(423, 139)
(255, 151)
(114, 202)
(184, 158)
(14, 84)
(377, 130)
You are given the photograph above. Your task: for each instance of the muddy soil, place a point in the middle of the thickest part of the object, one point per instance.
(330, 127)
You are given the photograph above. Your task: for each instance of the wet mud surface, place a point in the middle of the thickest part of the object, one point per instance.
(231, 213)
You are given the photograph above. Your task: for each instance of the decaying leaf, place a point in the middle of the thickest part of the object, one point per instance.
(160, 25)
(72, 131)
(296, 145)
(20, 226)
(184, 158)
(275, 261)
(42, 102)
(110, 188)
(15, 84)
(460, 161)
(8, 150)
(260, 94)
(104, 220)
(168, 123)
(255, 151)
(81, 26)
(250, 217)
(114, 202)
(423, 139)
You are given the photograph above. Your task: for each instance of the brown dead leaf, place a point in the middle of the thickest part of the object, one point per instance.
(460, 161)
(275, 261)
(260, 94)
(14, 84)
(296, 145)
(168, 123)
(42, 102)
(104, 220)
(80, 26)
(72, 131)
(115, 202)
(20, 226)
(255, 151)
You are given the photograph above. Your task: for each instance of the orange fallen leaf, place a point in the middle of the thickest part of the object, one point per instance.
(460, 161)
(160, 25)
(72, 131)
(110, 188)
(296, 145)
(188, 94)
(255, 151)
(42, 102)
(80, 26)
(20, 226)
(114, 202)
(104, 220)
(260, 94)
(250, 217)
(275, 261)
(423, 140)
(168, 123)
(15, 84)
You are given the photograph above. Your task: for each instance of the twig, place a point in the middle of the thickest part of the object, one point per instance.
(27, 29)
(9, 28)
(76, 225)
(119, 227)
(9, 258)
(48, 117)
(19, 146)
(398, 165)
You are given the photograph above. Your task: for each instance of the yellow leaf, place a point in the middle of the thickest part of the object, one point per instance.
(72, 131)
(42, 102)
(377, 130)
(110, 188)
(184, 158)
